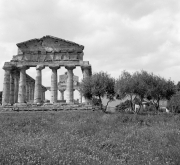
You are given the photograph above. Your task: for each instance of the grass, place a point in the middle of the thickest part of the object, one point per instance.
(89, 137)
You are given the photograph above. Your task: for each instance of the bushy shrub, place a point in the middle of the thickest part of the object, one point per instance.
(124, 105)
(96, 102)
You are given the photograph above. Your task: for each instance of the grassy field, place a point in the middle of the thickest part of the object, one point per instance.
(89, 137)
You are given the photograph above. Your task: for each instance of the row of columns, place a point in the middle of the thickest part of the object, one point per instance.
(18, 87)
(15, 88)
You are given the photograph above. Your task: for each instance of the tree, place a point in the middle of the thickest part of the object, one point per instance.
(178, 86)
(98, 85)
(174, 103)
(86, 88)
(160, 88)
(124, 87)
(145, 85)
(141, 82)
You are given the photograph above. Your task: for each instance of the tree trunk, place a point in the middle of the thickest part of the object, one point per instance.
(132, 108)
(100, 101)
(107, 105)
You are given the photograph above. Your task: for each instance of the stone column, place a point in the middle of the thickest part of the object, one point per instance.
(54, 92)
(27, 89)
(16, 85)
(38, 84)
(44, 98)
(11, 98)
(69, 87)
(61, 94)
(22, 85)
(86, 70)
(80, 96)
(6, 85)
(43, 93)
(32, 90)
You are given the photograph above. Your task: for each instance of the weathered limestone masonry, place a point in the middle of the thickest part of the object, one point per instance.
(48, 51)
(62, 86)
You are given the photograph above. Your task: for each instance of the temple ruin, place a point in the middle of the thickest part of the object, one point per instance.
(62, 86)
(48, 51)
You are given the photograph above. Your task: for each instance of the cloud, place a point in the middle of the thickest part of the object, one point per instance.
(117, 35)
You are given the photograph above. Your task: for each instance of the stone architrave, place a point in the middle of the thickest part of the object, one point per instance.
(69, 88)
(22, 85)
(38, 84)
(54, 89)
(16, 85)
(6, 85)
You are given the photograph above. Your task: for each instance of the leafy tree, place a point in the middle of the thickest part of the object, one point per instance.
(141, 82)
(86, 88)
(145, 85)
(99, 85)
(125, 88)
(178, 86)
(159, 89)
(0, 97)
(174, 103)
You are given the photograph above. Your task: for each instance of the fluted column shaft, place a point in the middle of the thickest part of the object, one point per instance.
(38, 84)
(6, 86)
(16, 85)
(80, 97)
(86, 70)
(11, 98)
(69, 87)
(44, 95)
(29, 91)
(22, 85)
(32, 90)
(61, 94)
(54, 89)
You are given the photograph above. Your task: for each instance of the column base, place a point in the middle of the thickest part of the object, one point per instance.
(6, 105)
(20, 105)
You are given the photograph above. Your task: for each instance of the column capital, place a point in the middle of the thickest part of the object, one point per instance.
(85, 67)
(16, 71)
(70, 67)
(54, 66)
(40, 67)
(22, 67)
(62, 90)
(8, 66)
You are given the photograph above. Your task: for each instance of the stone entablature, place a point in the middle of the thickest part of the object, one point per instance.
(40, 53)
(48, 48)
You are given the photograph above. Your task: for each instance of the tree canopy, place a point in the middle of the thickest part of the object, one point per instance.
(98, 85)
(144, 85)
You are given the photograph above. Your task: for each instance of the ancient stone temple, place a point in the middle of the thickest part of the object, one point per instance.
(62, 86)
(48, 51)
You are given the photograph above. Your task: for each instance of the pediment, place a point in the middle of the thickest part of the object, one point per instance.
(48, 44)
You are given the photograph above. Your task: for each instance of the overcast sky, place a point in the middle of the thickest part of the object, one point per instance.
(117, 34)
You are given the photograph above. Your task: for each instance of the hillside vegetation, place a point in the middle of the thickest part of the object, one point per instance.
(87, 137)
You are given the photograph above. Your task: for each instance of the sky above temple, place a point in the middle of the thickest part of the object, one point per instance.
(117, 34)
